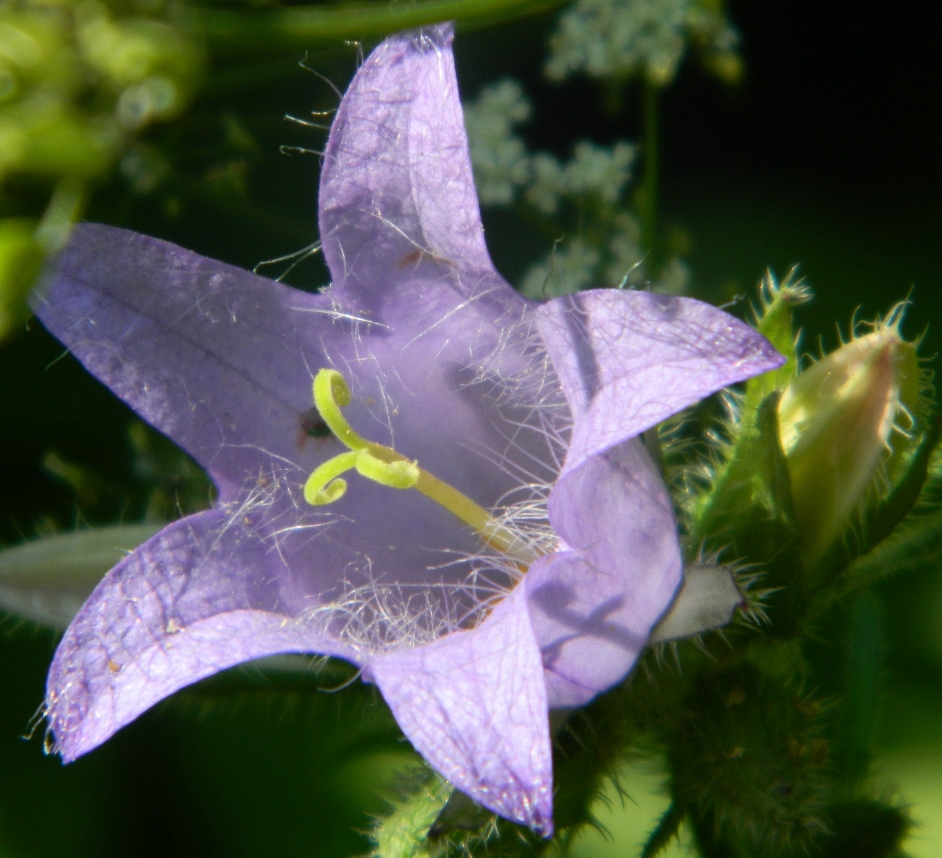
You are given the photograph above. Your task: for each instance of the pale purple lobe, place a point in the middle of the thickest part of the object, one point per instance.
(200, 596)
(627, 360)
(593, 607)
(397, 195)
(474, 702)
(214, 356)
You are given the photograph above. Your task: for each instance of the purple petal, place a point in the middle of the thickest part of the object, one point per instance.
(397, 197)
(222, 361)
(474, 705)
(212, 355)
(199, 597)
(627, 360)
(593, 611)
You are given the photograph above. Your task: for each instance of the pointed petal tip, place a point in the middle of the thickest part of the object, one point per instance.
(68, 747)
(437, 36)
(474, 705)
(397, 192)
(763, 356)
(529, 804)
(539, 817)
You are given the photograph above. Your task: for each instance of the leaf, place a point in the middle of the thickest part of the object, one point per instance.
(47, 580)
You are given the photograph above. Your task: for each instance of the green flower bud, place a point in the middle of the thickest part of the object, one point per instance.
(839, 422)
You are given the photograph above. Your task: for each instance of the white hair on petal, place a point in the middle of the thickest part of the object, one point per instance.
(531, 425)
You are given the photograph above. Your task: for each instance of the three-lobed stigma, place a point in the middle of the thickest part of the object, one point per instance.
(387, 467)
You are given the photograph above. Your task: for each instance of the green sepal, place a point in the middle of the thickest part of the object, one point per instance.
(885, 516)
(666, 830)
(430, 819)
(403, 831)
(775, 322)
(915, 546)
(880, 520)
(748, 513)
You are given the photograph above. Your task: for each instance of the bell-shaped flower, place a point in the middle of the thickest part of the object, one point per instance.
(463, 511)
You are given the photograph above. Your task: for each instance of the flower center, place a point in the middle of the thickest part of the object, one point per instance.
(386, 466)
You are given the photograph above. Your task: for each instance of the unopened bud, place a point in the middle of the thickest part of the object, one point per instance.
(837, 420)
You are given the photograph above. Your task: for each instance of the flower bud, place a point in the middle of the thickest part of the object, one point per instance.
(837, 421)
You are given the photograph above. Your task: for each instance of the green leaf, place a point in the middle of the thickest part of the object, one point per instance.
(881, 519)
(47, 580)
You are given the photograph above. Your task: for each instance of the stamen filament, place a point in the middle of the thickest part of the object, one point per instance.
(475, 516)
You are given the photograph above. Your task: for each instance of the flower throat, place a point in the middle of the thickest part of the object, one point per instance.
(386, 466)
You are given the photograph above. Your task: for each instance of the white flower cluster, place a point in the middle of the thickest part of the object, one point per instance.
(569, 268)
(593, 171)
(503, 165)
(593, 180)
(500, 157)
(574, 265)
(618, 38)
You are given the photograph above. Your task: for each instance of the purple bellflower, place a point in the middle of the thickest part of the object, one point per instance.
(464, 511)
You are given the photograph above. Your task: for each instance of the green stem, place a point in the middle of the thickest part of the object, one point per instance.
(666, 830)
(235, 31)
